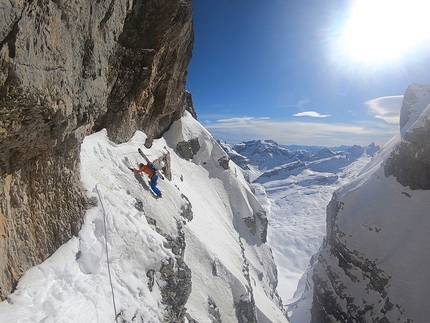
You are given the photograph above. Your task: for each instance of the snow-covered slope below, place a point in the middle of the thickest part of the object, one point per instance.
(196, 254)
(296, 207)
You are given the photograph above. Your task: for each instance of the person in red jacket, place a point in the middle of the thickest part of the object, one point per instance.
(152, 175)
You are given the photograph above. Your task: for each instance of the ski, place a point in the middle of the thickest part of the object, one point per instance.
(143, 154)
(148, 161)
(127, 164)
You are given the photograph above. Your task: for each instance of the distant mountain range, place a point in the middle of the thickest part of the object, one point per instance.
(315, 148)
(265, 160)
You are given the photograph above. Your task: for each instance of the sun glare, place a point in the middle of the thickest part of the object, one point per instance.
(383, 30)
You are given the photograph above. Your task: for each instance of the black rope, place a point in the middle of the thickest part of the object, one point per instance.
(107, 252)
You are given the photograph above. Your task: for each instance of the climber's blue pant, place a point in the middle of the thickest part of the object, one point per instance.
(153, 185)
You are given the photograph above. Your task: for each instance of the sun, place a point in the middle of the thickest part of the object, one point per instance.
(376, 31)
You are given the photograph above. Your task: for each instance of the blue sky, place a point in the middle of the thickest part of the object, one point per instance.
(288, 70)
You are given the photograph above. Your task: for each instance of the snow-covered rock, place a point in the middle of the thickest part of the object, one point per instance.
(324, 153)
(415, 100)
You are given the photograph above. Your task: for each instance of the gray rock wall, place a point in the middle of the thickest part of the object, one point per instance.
(409, 163)
(410, 160)
(67, 69)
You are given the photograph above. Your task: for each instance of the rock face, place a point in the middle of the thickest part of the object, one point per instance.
(368, 269)
(188, 149)
(415, 100)
(68, 69)
(410, 161)
(190, 105)
(148, 69)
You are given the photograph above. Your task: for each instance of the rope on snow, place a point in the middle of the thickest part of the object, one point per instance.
(107, 252)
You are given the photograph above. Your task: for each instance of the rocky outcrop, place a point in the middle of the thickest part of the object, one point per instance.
(177, 277)
(224, 162)
(68, 69)
(190, 104)
(246, 311)
(258, 221)
(415, 100)
(148, 69)
(188, 149)
(409, 163)
(337, 270)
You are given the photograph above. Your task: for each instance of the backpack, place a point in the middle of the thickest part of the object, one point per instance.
(153, 167)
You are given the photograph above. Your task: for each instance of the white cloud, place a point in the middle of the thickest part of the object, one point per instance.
(301, 103)
(386, 108)
(241, 120)
(312, 114)
(235, 130)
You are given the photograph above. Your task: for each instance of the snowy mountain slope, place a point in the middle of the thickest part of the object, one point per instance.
(196, 254)
(258, 156)
(372, 267)
(295, 196)
(281, 172)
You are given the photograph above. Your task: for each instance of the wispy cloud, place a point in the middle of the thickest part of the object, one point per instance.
(241, 121)
(386, 108)
(311, 114)
(226, 105)
(305, 133)
(302, 103)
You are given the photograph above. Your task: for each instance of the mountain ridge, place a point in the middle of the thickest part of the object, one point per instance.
(259, 156)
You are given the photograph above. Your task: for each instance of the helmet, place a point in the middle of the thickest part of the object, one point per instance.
(141, 165)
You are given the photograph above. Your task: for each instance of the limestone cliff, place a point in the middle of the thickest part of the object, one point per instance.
(67, 69)
(370, 268)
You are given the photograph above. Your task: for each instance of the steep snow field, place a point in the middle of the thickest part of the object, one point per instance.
(73, 285)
